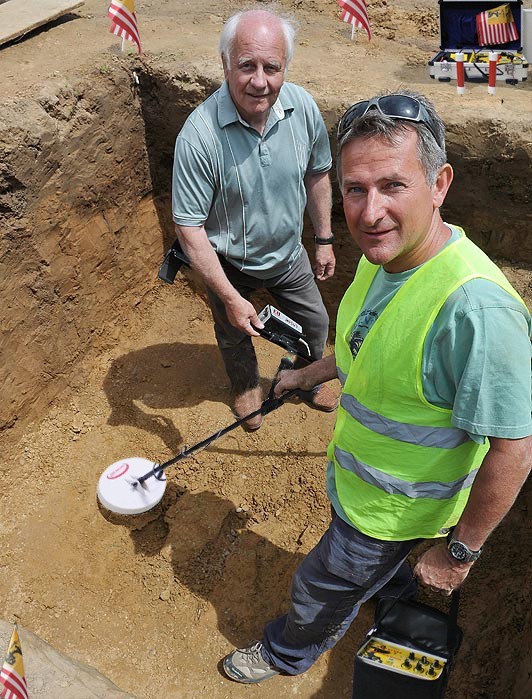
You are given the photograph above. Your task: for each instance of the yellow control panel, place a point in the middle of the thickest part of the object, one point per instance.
(401, 659)
(483, 57)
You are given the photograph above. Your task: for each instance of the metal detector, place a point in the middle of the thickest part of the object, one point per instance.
(135, 485)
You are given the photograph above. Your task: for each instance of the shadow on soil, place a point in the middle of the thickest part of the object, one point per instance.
(245, 577)
(222, 561)
(163, 377)
(160, 378)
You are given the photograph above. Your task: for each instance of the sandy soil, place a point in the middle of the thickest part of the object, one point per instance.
(155, 601)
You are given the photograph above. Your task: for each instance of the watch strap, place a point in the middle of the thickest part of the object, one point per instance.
(470, 556)
(324, 241)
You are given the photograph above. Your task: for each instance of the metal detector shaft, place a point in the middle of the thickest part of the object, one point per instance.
(268, 406)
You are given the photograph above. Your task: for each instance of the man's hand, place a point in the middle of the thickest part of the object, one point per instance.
(242, 315)
(318, 372)
(436, 569)
(290, 379)
(324, 262)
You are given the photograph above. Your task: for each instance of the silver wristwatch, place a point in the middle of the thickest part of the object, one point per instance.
(460, 552)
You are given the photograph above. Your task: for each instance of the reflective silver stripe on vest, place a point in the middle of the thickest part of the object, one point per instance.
(341, 376)
(436, 490)
(441, 437)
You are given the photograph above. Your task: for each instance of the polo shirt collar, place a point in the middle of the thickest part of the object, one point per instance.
(228, 113)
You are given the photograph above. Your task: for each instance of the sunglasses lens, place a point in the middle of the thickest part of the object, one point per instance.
(358, 109)
(399, 106)
(354, 111)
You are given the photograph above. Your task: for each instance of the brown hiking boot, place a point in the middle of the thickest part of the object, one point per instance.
(320, 398)
(246, 403)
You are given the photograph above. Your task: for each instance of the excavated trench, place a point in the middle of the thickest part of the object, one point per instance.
(99, 361)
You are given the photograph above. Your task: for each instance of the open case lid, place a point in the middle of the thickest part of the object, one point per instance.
(458, 28)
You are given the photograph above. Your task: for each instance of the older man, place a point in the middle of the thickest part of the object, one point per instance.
(247, 162)
(432, 438)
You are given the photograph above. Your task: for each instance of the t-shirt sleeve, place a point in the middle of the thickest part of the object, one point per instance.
(480, 361)
(320, 153)
(193, 184)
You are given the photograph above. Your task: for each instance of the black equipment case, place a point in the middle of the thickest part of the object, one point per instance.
(408, 653)
(458, 32)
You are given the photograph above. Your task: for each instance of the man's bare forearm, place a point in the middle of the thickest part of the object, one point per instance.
(504, 470)
(498, 482)
(204, 260)
(319, 203)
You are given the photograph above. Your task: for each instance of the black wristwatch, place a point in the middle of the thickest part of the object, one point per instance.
(460, 552)
(324, 241)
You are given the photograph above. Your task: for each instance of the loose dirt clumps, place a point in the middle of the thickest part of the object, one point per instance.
(100, 361)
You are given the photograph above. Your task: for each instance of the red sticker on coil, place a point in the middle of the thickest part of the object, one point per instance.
(118, 471)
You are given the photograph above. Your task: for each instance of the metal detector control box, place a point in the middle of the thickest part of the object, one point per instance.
(275, 321)
(458, 32)
(283, 331)
(402, 659)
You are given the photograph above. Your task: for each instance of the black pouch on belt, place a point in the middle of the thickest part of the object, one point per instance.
(409, 652)
(174, 259)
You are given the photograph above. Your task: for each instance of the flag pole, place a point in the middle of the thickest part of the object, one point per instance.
(122, 46)
(352, 32)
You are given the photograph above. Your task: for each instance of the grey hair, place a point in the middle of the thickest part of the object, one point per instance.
(431, 155)
(289, 27)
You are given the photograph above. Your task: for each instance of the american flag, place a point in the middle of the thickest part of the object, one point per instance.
(355, 12)
(124, 21)
(496, 26)
(12, 675)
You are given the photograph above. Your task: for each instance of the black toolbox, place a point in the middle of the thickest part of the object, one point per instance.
(409, 652)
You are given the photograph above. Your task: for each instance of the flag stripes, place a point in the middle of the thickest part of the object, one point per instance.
(496, 26)
(12, 685)
(124, 21)
(12, 674)
(355, 12)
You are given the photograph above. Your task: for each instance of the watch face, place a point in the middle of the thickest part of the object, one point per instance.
(458, 551)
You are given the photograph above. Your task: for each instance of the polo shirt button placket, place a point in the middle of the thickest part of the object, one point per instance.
(264, 153)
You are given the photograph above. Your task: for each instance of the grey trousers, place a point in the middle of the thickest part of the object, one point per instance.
(344, 570)
(295, 294)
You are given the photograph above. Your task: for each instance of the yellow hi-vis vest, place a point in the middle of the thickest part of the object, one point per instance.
(402, 470)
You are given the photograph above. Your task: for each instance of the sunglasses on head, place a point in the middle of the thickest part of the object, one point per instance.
(402, 107)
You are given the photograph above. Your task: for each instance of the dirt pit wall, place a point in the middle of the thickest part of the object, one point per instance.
(80, 228)
(84, 205)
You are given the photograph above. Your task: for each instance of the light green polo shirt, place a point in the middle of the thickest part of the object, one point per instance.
(476, 359)
(247, 189)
